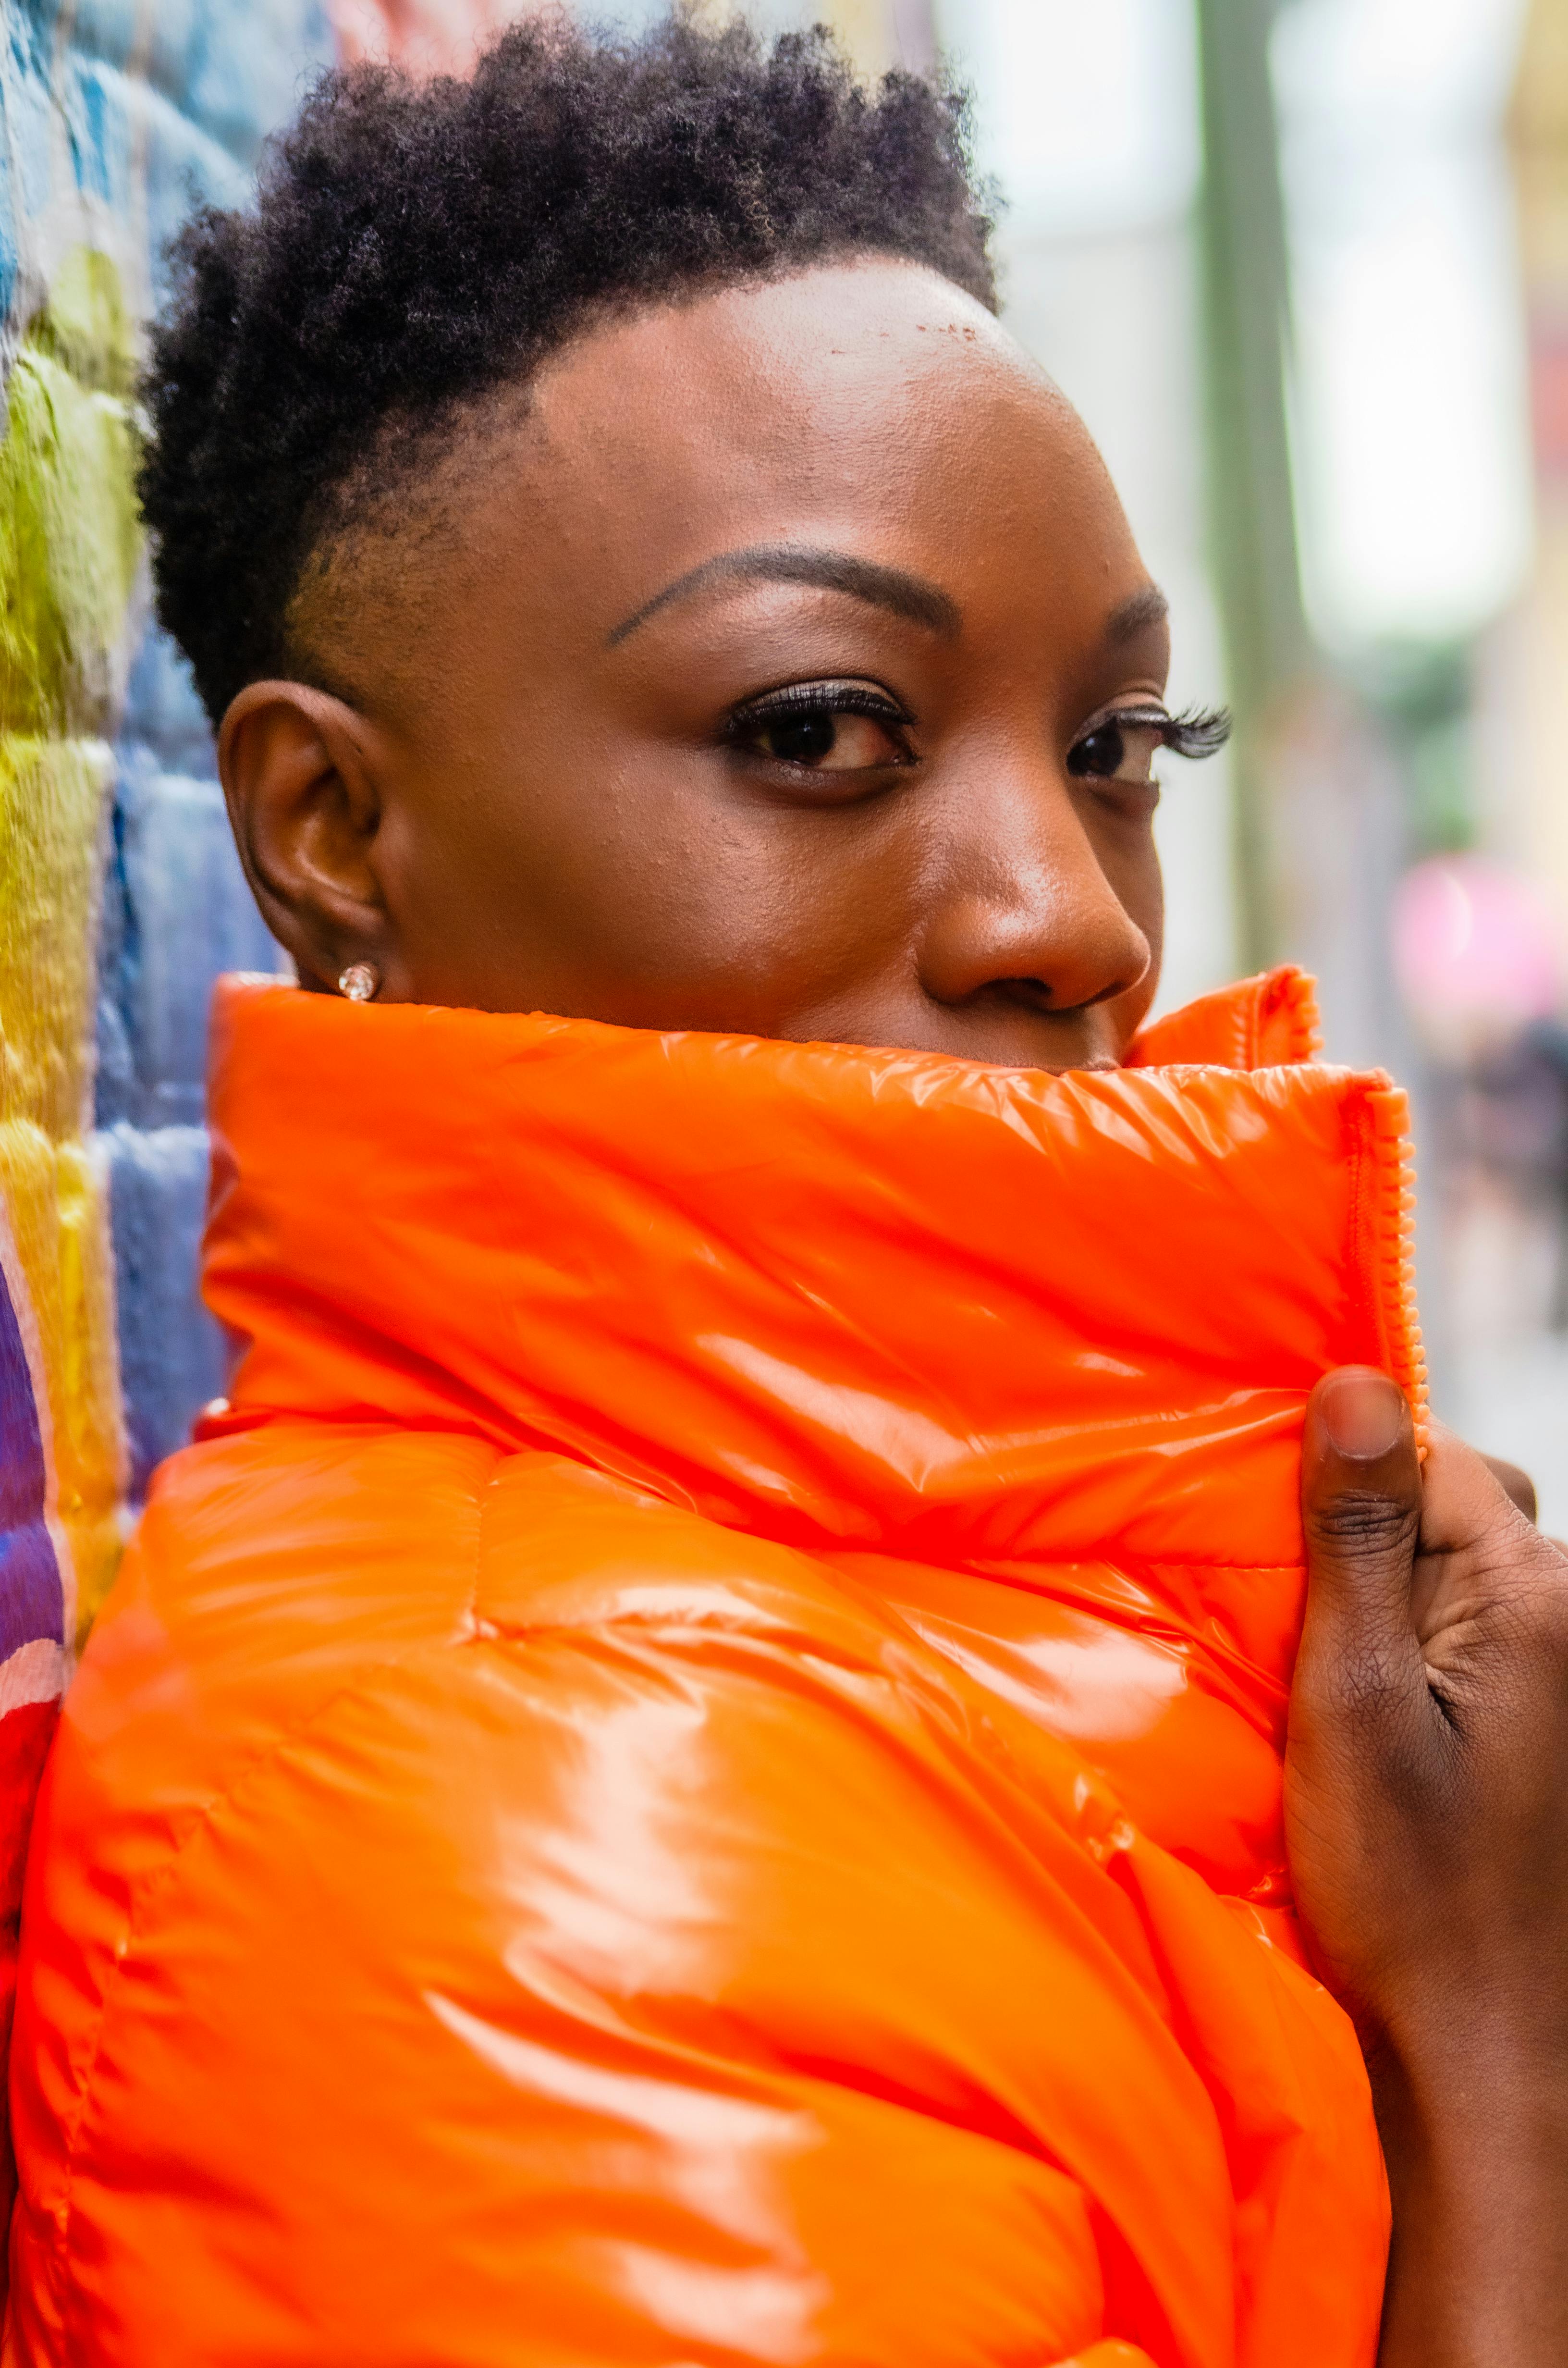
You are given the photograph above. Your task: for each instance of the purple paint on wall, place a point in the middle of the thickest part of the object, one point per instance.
(32, 1602)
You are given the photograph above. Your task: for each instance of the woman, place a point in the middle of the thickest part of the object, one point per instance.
(694, 1767)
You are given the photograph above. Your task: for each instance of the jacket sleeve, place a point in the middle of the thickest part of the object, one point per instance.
(587, 1997)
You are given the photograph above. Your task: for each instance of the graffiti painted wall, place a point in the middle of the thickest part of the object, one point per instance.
(120, 897)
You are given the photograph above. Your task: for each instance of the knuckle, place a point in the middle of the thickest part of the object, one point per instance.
(1515, 1483)
(1536, 1615)
(1527, 1578)
(1358, 1525)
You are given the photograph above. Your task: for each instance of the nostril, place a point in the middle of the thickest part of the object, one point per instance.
(1033, 994)
(1040, 995)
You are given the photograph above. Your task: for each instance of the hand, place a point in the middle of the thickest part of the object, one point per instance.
(1426, 1816)
(1516, 1485)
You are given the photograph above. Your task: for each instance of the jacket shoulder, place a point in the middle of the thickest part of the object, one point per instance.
(268, 1569)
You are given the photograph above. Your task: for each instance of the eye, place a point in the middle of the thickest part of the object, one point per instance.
(1120, 749)
(823, 727)
(834, 744)
(1120, 746)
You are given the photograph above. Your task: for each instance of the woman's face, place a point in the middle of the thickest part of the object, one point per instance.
(754, 674)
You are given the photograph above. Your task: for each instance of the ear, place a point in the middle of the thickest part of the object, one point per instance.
(300, 773)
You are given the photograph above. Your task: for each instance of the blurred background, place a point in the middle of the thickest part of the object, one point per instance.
(1303, 266)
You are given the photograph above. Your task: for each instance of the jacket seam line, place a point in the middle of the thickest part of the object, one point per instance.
(138, 1894)
(482, 1508)
(260, 1763)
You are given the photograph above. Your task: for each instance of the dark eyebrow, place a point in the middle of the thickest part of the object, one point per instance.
(835, 571)
(1149, 606)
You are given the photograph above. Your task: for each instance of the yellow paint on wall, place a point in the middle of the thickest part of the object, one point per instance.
(70, 548)
(863, 28)
(865, 31)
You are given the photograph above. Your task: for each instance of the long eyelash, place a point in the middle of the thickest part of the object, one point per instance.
(1197, 731)
(818, 699)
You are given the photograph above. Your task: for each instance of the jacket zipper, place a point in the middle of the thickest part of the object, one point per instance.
(1394, 1215)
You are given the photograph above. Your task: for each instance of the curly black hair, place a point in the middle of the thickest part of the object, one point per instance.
(413, 248)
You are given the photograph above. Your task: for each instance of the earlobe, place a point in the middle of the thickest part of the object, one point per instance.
(299, 772)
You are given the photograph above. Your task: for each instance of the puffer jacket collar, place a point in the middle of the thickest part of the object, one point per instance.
(868, 1300)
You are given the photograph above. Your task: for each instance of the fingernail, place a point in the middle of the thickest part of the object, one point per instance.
(1362, 1412)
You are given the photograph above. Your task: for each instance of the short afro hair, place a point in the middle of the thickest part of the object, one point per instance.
(413, 247)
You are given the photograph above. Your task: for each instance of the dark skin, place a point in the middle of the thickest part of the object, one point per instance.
(1429, 1836)
(781, 663)
(522, 805)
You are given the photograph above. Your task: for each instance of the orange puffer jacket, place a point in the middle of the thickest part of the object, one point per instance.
(690, 1772)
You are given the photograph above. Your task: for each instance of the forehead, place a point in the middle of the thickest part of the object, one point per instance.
(868, 408)
(868, 386)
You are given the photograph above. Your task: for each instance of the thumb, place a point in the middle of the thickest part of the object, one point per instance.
(1361, 1508)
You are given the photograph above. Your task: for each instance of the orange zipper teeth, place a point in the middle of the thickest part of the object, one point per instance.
(1394, 1158)
(1294, 992)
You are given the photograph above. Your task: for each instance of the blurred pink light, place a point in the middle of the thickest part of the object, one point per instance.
(1474, 945)
(427, 36)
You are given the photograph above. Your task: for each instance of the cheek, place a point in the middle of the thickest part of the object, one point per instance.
(752, 922)
(639, 873)
(806, 901)
(678, 861)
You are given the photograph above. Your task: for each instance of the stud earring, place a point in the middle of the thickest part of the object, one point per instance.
(361, 982)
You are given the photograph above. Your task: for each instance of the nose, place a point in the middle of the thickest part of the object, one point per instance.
(1023, 906)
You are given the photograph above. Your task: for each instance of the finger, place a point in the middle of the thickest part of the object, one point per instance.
(1468, 1500)
(1516, 1484)
(1361, 1505)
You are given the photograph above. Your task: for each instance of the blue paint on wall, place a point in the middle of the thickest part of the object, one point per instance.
(172, 1356)
(97, 129)
(177, 913)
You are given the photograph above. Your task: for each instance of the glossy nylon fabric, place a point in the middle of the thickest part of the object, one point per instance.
(690, 1774)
